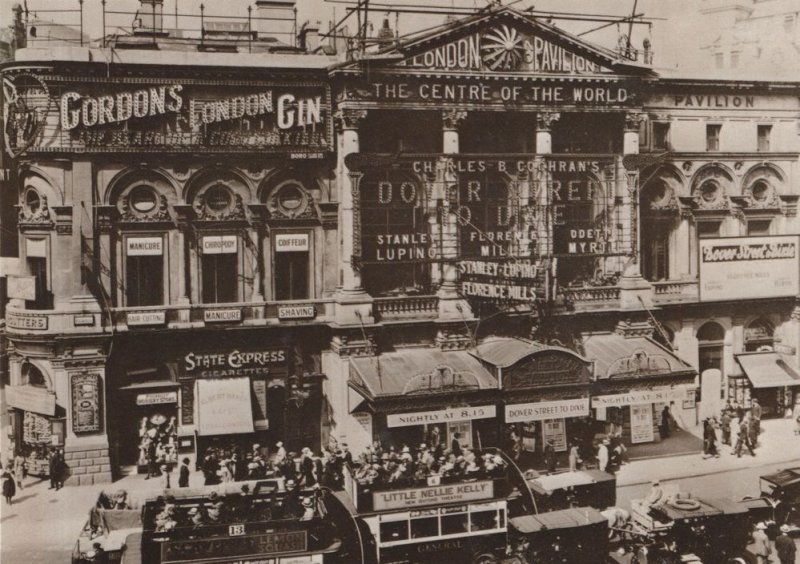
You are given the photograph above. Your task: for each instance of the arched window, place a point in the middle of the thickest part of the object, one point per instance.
(32, 376)
(710, 344)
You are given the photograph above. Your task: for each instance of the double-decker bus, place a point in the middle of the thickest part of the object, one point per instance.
(270, 526)
(484, 519)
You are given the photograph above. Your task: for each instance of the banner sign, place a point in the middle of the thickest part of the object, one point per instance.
(452, 415)
(21, 287)
(219, 244)
(638, 398)
(735, 268)
(154, 398)
(291, 243)
(248, 548)
(224, 406)
(233, 363)
(432, 495)
(97, 114)
(144, 246)
(539, 411)
(31, 398)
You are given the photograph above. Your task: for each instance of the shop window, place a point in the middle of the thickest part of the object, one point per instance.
(220, 269)
(291, 266)
(759, 227)
(712, 136)
(661, 136)
(393, 531)
(709, 229)
(764, 134)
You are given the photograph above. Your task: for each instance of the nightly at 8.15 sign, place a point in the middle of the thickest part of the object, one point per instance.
(733, 268)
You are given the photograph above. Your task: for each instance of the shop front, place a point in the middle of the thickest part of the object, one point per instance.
(545, 394)
(642, 389)
(424, 396)
(770, 379)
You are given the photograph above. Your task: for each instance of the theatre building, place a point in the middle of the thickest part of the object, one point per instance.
(178, 239)
(561, 214)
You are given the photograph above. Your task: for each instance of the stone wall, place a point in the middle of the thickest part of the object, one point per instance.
(87, 466)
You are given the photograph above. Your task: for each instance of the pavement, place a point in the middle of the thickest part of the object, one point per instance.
(42, 525)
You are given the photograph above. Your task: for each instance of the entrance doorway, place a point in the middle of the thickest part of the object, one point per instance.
(711, 344)
(151, 427)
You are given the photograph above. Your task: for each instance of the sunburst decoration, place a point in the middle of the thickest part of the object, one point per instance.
(502, 48)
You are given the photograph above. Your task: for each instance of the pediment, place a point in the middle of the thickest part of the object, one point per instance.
(503, 41)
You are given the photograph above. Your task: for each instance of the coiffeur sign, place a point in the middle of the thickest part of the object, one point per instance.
(432, 495)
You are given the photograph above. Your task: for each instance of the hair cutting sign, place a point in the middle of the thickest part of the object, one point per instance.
(735, 268)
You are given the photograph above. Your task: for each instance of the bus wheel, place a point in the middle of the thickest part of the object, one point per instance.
(484, 558)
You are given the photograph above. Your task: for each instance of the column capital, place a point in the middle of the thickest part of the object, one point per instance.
(451, 119)
(633, 120)
(545, 120)
(349, 118)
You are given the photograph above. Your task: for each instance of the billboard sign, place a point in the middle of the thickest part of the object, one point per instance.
(734, 268)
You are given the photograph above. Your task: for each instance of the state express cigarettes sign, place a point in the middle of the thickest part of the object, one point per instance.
(432, 495)
(734, 268)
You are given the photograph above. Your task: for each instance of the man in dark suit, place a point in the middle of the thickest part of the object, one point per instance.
(183, 475)
(785, 547)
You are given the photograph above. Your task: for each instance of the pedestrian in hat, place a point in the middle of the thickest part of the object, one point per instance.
(280, 453)
(166, 477)
(574, 456)
(761, 546)
(183, 474)
(550, 460)
(602, 455)
(308, 509)
(744, 438)
(725, 425)
(755, 414)
(785, 547)
(9, 487)
(307, 468)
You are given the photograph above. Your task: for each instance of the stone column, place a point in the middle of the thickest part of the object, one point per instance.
(633, 285)
(353, 303)
(544, 138)
(448, 250)
(544, 146)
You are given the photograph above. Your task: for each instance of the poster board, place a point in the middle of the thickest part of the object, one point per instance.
(642, 424)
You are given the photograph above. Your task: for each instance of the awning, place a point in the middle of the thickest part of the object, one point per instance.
(618, 357)
(767, 370)
(223, 406)
(417, 373)
(31, 398)
(504, 352)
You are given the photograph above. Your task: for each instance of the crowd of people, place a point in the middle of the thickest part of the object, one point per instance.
(734, 421)
(157, 443)
(403, 467)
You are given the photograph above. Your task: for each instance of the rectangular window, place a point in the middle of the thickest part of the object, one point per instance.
(759, 226)
(660, 135)
(764, 133)
(37, 267)
(719, 60)
(291, 261)
(788, 23)
(712, 136)
(144, 271)
(655, 250)
(708, 229)
(734, 59)
(144, 281)
(220, 276)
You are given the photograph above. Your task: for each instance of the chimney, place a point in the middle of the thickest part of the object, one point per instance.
(275, 18)
(150, 17)
(309, 37)
(385, 33)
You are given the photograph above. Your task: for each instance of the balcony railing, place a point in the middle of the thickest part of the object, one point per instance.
(406, 307)
(675, 291)
(589, 296)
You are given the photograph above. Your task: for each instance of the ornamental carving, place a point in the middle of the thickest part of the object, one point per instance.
(441, 379)
(159, 212)
(290, 200)
(349, 118)
(451, 119)
(634, 120)
(545, 120)
(640, 363)
(38, 214)
(219, 202)
(710, 188)
(760, 188)
(547, 368)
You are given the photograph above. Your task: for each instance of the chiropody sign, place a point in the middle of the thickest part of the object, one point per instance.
(193, 117)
